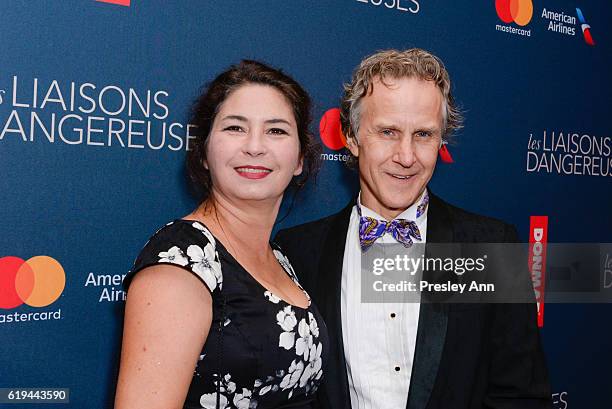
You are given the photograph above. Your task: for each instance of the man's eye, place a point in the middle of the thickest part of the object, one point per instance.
(387, 132)
(423, 134)
(278, 131)
(233, 128)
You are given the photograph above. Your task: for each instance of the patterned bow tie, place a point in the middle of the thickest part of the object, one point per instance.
(402, 230)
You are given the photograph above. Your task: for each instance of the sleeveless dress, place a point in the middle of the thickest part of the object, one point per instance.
(261, 352)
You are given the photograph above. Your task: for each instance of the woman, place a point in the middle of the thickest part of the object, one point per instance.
(215, 317)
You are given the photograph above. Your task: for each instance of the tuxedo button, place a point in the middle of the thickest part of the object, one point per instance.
(392, 315)
(397, 369)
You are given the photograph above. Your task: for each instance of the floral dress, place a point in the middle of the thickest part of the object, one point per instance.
(261, 352)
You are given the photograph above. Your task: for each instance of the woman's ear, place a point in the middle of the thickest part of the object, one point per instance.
(300, 166)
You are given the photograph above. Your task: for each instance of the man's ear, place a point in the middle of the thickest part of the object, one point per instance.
(352, 145)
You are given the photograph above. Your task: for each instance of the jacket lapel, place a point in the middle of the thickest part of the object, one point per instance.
(433, 317)
(328, 294)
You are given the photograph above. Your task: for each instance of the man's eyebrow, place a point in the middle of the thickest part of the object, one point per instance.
(391, 125)
(431, 129)
(384, 125)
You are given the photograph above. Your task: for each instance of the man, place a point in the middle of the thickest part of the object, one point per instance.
(397, 113)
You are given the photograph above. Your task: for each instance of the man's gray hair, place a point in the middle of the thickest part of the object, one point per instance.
(394, 64)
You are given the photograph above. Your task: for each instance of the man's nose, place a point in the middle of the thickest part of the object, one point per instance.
(405, 152)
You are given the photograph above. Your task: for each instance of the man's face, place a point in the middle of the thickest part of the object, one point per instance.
(400, 131)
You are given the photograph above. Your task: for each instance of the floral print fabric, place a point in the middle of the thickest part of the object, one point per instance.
(269, 353)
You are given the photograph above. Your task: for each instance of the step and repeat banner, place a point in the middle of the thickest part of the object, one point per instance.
(94, 126)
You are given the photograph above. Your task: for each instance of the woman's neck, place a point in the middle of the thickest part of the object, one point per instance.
(241, 226)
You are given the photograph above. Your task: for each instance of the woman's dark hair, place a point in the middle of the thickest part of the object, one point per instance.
(208, 104)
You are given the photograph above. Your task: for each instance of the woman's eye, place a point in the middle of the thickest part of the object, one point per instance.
(278, 131)
(233, 128)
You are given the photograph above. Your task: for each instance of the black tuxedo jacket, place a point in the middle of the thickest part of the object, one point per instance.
(467, 355)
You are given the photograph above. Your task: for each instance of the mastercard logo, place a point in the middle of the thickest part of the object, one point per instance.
(517, 11)
(330, 130)
(37, 282)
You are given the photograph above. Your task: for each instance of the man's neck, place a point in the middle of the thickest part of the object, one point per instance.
(385, 212)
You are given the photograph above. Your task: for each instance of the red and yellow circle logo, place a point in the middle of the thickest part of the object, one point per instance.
(37, 282)
(518, 11)
(330, 130)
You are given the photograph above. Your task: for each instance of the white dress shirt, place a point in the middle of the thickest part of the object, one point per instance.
(379, 338)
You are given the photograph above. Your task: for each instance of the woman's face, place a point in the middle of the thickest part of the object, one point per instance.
(253, 148)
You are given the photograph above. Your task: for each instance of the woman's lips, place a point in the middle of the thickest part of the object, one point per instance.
(253, 172)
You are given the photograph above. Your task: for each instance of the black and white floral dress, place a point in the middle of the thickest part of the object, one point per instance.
(265, 352)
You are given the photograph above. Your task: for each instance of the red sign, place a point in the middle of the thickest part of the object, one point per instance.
(119, 2)
(538, 238)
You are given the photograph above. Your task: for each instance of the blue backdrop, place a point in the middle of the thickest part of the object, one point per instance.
(94, 101)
